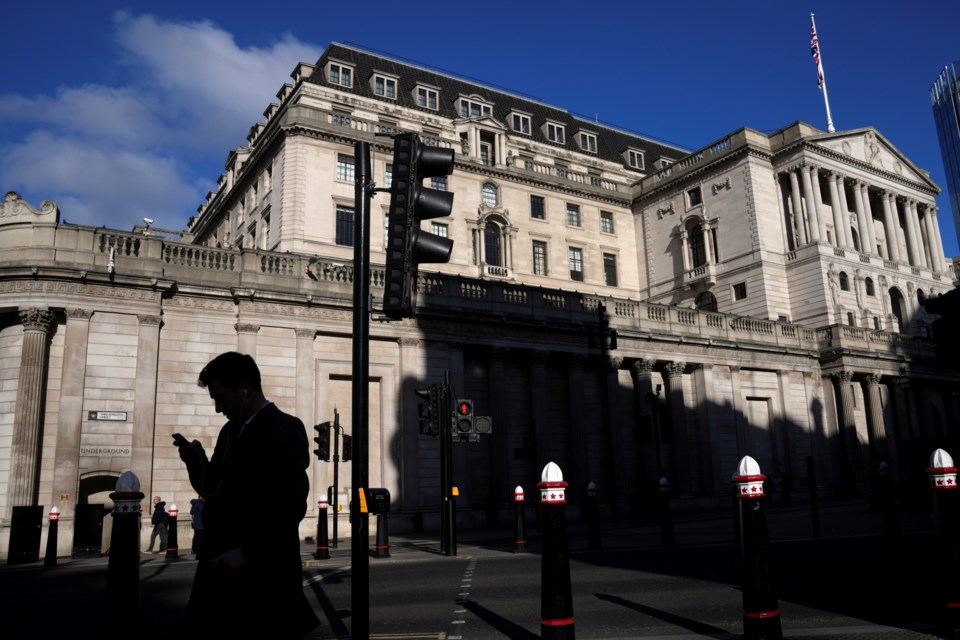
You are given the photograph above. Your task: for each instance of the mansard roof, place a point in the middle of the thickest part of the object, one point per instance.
(612, 143)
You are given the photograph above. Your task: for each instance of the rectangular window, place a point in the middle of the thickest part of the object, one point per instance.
(344, 167)
(575, 257)
(573, 214)
(635, 159)
(427, 98)
(438, 229)
(606, 221)
(340, 74)
(471, 109)
(387, 175)
(521, 124)
(385, 87)
(539, 257)
(538, 208)
(588, 142)
(694, 197)
(555, 133)
(610, 269)
(344, 226)
(439, 183)
(740, 291)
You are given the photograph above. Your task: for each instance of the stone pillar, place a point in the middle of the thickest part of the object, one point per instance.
(844, 211)
(682, 472)
(868, 215)
(539, 401)
(707, 244)
(412, 377)
(500, 439)
(914, 216)
(798, 218)
(66, 471)
(617, 473)
(937, 242)
(305, 403)
(642, 372)
(813, 217)
(901, 237)
(28, 415)
(890, 227)
(818, 199)
(579, 443)
(840, 237)
(861, 219)
(247, 338)
(685, 251)
(846, 419)
(913, 254)
(144, 441)
(878, 434)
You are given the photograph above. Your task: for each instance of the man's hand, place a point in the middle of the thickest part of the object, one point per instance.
(230, 564)
(193, 453)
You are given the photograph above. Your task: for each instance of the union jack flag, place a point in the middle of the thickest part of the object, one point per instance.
(815, 52)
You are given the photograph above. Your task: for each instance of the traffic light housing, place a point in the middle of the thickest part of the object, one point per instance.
(347, 448)
(411, 202)
(323, 441)
(429, 410)
(463, 425)
(608, 336)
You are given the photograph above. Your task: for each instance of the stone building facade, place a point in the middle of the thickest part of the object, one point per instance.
(764, 290)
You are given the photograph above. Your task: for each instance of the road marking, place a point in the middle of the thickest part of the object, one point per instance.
(316, 579)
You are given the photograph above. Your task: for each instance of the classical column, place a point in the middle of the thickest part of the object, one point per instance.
(305, 384)
(685, 250)
(901, 239)
(889, 227)
(937, 241)
(682, 476)
(500, 439)
(868, 215)
(642, 373)
(913, 252)
(926, 241)
(798, 218)
(861, 219)
(28, 415)
(844, 211)
(840, 238)
(579, 443)
(853, 464)
(914, 216)
(617, 472)
(707, 244)
(247, 338)
(878, 434)
(818, 200)
(143, 441)
(539, 401)
(813, 217)
(412, 376)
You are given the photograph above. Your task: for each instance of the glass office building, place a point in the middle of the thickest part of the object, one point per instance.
(945, 98)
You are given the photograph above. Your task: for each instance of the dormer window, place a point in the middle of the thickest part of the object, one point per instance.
(520, 123)
(663, 163)
(340, 74)
(635, 159)
(474, 109)
(555, 132)
(384, 86)
(426, 97)
(588, 142)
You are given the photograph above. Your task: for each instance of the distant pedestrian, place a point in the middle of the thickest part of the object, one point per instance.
(196, 520)
(159, 520)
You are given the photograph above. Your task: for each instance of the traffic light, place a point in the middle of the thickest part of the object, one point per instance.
(411, 202)
(429, 410)
(608, 336)
(323, 441)
(463, 426)
(347, 448)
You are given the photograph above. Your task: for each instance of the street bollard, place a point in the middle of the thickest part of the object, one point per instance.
(761, 613)
(666, 517)
(50, 559)
(323, 538)
(943, 483)
(556, 601)
(812, 492)
(123, 568)
(172, 549)
(520, 541)
(592, 508)
(383, 537)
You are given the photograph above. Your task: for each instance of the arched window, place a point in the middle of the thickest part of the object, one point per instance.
(921, 296)
(844, 281)
(706, 301)
(868, 283)
(856, 240)
(489, 194)
(492, 247)
(899, 307)
(698, 251)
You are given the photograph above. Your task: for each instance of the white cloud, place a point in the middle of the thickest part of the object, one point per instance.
(151, 146)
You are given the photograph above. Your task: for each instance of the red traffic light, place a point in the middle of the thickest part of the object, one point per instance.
(464, 408)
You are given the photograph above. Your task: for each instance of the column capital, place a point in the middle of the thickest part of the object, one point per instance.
(246, 327)
(539, 357)
(675, 368)
(305, 334)
(76, 313)
(842, 377)
(642, 367)
(150, 319)
(872, 379)
(614, 363)
(36, 319)
(409, 342)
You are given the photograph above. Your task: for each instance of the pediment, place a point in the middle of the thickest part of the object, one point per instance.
(871, 148)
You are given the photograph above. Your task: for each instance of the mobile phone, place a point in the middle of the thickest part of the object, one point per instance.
(180, 441)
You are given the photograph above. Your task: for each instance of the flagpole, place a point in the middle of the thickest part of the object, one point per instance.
(815, 49)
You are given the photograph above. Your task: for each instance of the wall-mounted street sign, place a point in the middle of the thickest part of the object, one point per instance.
(93, 450)
(117, 416)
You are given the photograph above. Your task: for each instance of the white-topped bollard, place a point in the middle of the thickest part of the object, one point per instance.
(123, 568)
(520, 541)
(173, 550)
(556, 601)
(323, 537)
(946, 518)
(50, 558)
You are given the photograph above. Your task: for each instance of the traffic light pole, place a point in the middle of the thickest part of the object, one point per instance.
(336, 474)
(448, 525)
(359, 559)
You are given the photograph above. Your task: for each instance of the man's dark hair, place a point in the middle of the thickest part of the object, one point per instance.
(231, 370)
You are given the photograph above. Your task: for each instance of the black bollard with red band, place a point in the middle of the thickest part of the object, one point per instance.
(520, 540)
(383, 537)
(50, 559)
(173, 551)
(761, 609)
(946, 517)
(666, 516)
(323, 538)
(592, 508)
(123, 569)
(556, 601)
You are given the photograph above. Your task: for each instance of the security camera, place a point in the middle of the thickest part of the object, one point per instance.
(148, 221)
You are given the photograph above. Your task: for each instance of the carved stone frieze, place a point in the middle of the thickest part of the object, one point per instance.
(76, 288)
(667, 210)
(273, 309)
(199, 303)
(719, 186)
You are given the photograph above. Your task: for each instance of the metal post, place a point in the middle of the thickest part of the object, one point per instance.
(323, 542)
(556, 601)
(173, 549)
(448, 535)
(359, 558)
(666, 515)
(520, 541)
(336, 473)
(123, 568)
(946, 516)
(593, 516)
(50, 558)
(383, 537)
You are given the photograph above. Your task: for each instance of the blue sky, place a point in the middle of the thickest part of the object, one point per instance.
(123, 110)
